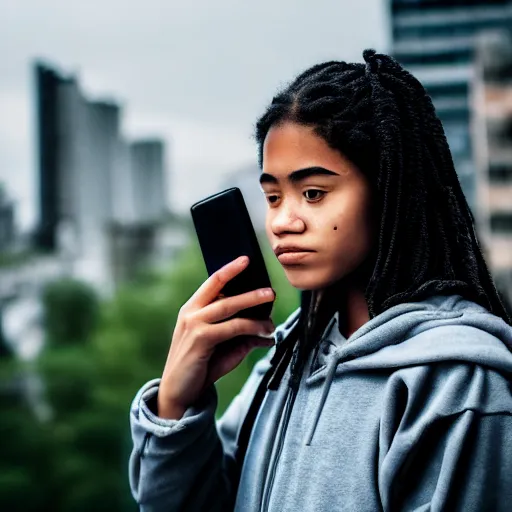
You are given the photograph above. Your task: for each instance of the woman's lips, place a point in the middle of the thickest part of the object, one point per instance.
(291, 258)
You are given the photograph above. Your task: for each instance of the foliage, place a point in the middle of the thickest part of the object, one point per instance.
(97, 356)
(25, 446)
(13, 259)
(71, 311)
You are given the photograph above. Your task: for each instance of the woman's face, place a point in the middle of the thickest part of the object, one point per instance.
(319, 207)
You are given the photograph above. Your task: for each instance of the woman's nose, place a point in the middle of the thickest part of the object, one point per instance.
(286, 220)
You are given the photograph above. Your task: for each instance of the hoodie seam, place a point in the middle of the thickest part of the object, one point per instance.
(460, 412)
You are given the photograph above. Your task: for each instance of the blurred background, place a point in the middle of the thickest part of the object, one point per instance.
(114, 118)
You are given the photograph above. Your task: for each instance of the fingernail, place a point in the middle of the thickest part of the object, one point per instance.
(243, 260)
(266, 292)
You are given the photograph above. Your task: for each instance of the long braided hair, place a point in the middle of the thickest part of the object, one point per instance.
(381, 118)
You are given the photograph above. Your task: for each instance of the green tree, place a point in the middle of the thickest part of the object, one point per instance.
(25, 444)
(98, 355)
(71, 311)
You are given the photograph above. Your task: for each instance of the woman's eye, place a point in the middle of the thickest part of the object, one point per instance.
(272, 199)
(313, 194)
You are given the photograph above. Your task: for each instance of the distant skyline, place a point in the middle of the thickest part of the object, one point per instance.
(196, 77)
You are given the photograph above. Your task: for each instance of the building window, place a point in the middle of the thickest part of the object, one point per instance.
(446, 90)
(452, 116)
(401, 5)
(462, 56)
(501, 222)
(500, 173)
(447, 29)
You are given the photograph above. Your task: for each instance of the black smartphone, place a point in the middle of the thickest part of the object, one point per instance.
(225, 232)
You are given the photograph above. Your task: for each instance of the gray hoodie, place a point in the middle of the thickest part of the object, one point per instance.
(412, 412)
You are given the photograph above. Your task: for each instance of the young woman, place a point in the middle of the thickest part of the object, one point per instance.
(388, 389)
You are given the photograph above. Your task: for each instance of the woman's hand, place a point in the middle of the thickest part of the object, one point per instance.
(199, 354)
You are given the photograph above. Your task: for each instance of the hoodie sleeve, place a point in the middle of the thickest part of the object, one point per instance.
(446, 441)
(186, 464)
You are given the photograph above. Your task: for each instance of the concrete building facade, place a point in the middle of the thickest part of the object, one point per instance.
(492, 135)
(147, 168)
(435, 40)
(90, 176)
(7, 221)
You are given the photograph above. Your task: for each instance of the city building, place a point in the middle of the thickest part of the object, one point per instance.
(147, 167)
(143, 233)
(78, 142)
(47, 82)
(435, 40)
(7, 221)
(492, 135)
(91, 178)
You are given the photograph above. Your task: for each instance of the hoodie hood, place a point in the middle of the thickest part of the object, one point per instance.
(438, 329)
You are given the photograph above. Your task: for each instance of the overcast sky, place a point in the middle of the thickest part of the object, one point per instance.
(197, 73)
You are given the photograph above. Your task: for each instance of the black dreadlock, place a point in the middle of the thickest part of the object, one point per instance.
(381, 118)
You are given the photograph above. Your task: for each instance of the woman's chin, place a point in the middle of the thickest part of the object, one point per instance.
(306, 280)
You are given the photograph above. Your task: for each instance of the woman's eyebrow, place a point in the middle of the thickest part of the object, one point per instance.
(298, 175)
